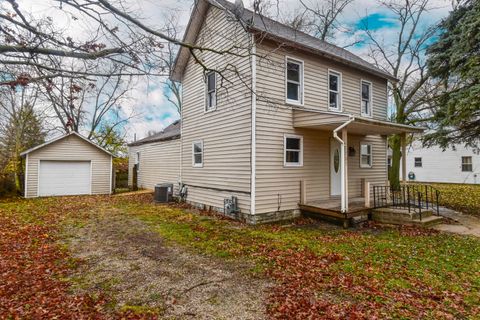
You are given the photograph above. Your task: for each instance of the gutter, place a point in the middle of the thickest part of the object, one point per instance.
(343, 185)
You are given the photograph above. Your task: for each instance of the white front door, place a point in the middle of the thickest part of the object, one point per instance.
(61, 178)
(335, 176)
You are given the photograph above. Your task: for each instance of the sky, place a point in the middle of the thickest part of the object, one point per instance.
(148, 102)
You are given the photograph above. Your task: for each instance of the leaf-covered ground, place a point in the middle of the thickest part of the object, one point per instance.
(318, 272)
(461, 197)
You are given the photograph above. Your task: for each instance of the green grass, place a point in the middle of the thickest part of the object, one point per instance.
(461, 197)
(395, 269)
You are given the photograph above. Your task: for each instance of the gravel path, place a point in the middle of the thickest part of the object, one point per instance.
(136, 268)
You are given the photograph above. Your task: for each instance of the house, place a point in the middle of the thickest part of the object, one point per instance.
(68, 165)
(457, 165)
(157, 158)
(284, 123)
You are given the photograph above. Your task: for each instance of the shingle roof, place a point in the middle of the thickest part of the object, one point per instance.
(281, 32)
(169, 133)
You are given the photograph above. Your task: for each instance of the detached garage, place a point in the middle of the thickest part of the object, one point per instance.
(68, 165)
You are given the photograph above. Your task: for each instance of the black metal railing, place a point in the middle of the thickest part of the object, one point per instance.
(412, 197)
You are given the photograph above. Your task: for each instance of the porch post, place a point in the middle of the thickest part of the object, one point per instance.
(404, 157)
(345, 167)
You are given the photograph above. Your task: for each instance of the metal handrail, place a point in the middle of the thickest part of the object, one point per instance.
(412, 197)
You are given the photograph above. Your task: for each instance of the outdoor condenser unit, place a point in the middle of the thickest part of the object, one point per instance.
(163, 192)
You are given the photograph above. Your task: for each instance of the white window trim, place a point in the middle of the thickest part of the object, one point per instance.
(369, 115)
(292, 164)
(205, 110)
(197, 165)
(302, 81)
(340, 91)
(371, 155)
(415, 162)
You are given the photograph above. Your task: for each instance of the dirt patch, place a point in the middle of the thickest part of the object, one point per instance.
(124, 258)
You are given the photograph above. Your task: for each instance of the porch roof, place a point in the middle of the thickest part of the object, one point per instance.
(321, 120)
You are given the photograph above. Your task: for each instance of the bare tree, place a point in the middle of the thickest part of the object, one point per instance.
(325, 16)
(404, 58)
(80, 104)
(118, 36)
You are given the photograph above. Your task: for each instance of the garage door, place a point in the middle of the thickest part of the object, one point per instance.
(61, 178)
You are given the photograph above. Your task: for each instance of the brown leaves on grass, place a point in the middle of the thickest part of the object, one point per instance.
(311, 287)
(33, 266)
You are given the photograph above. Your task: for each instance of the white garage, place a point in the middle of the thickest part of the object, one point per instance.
(68, 165)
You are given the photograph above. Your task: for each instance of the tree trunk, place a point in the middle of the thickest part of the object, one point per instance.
(396, 145)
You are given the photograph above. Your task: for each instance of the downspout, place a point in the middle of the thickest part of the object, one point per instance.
(343, 185)
(253, 159)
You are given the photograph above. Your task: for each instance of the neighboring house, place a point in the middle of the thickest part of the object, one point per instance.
(68, 165)
(297, 122)
(458, 165)
(157, 158)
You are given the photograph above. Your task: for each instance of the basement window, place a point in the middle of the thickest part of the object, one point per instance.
(418, 162)
(365, 155)
(293, 150)
(467, 165)
(197, 152)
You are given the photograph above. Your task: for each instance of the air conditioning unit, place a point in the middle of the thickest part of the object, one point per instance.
(163, 192)
(230, 206)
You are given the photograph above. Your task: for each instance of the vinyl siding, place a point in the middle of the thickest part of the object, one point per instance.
(159, 163)
(226, 131)
(271, 81)
(278, 187)
(71, 148)
(443, 166)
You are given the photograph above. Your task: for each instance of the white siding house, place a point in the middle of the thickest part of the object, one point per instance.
(458, 165)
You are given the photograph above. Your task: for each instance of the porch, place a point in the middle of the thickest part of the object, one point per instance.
(349, 203)
(331, 208)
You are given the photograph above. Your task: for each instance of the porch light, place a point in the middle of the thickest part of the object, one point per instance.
(351, 152)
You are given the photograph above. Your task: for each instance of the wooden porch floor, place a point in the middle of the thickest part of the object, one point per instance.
(331, 208)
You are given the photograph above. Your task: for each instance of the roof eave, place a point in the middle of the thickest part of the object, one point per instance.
(291, 43)
(139, 143)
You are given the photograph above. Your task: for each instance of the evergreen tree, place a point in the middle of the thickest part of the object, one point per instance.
(454, 61)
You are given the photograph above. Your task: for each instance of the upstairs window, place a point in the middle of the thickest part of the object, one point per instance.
(137, 160)
(334, 90)
(197, 153)
(294, 81)
(365, 155)
(467, 165)
(418, 162)
(366, 98)
(293, 150)
(211, 91)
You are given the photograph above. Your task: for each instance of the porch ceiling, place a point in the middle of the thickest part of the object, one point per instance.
(303, 118)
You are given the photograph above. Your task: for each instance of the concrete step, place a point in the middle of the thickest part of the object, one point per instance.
(428, 221)
(403, 217)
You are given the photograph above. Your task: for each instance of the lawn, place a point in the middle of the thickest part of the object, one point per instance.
(461, 197)
(317, 271)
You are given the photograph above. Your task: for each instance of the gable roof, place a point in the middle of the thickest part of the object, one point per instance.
(273, 30)
(171, 132)
(24, 153)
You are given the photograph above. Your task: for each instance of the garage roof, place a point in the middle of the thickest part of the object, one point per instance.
(62, 137)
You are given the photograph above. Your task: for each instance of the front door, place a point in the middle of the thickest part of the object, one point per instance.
(335, 177)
